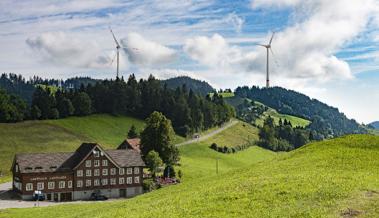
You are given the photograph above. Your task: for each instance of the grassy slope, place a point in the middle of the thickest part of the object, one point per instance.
(60, 135)
(296, 121)
(240, 134)
(319, 180)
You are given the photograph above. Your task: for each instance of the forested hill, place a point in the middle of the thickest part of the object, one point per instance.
(199, 87)
(375, 124)
(327, 121)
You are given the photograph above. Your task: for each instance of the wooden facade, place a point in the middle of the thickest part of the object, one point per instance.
(75, 176)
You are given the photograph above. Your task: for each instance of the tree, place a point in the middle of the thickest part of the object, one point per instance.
(82, 104)
(153, 162)
(158, 135)
(132, 132)
(65, 107)
(169, 172)
(35, 112)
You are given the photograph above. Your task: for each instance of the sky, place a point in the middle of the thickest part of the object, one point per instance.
(326, 49)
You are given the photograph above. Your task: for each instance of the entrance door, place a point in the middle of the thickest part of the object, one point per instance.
(122, 193)
(66, 196)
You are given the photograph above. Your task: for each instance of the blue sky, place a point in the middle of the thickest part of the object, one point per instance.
(326, 49)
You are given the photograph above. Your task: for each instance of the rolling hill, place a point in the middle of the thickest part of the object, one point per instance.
(200, 87)
(375, 124)
(333, 178)
(237, 102)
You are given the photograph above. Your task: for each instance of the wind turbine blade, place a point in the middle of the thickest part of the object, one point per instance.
(113, 59)
(263, 45)
(114, 37)
(271, 38)
(273, 55)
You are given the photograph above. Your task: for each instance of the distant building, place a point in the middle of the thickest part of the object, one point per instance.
(67, 176)
(133, 144)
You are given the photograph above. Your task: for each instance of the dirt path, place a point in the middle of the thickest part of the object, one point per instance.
(207, 136)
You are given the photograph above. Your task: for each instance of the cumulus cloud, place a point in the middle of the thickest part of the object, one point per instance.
(144, 52)
(65, 50)
(307, 48)
(236, 21)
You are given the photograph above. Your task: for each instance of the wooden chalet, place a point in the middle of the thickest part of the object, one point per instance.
(66, 176)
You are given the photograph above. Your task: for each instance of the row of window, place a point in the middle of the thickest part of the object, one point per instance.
(112, 181)
(96, 163)
(104, 172)
(79, 184)
(50, 185)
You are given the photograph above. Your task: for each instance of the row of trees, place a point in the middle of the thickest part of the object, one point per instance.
(12, 107)
(282, 137)
(188, 111)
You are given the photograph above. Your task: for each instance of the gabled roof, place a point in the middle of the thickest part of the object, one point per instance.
(133, 143)
(126, 157)
(68, 161)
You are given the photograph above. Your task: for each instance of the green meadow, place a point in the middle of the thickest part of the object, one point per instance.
(333, 178)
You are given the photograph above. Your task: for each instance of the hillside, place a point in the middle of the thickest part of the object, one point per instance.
(61, 135)
(327, 121)
(333, 178)
(238, 103)
(375, 124)
(198, 86)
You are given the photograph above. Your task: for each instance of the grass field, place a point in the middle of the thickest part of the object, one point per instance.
(333, 178)
(240, 134)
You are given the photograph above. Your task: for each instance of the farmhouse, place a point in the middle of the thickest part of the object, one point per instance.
(77, 175)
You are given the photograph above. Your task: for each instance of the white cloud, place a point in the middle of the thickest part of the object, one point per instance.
(306, 49)
(236, 21)
(144, 52)
(65, 50)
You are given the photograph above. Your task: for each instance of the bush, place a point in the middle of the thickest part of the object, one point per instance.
(149, 185)
(169, 171)
(214, 146)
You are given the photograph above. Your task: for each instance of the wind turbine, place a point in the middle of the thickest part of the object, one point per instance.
(268, 49)
(118, 51)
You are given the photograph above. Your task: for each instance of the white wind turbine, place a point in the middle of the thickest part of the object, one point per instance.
(118, 52)
(268, 48)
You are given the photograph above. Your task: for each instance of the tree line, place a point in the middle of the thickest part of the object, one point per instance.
(188, 111)
(282, 137)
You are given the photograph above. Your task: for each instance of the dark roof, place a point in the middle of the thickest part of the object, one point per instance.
(126, 157)
(133, 143)
(43, 162)
(67, 161)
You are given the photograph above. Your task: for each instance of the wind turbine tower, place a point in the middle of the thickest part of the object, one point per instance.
(268, 49)
(118, 52)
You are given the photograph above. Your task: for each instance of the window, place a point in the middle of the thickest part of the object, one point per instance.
(129, 180)
(88, 163)
(105, 163)
(96, 172)
(121, 180)
(104, 181)
(105, 172)
(136, 170)
(96, 182)
(88, 172)
(96, 163)
(50, 185)
(16, 168)
(29, 187)
(136, 179)
(88, 182)
(79, 173)
(40, 185)
(69, 184)
(79, 183)
(96, 153)
(113, 171)
(113, 181)
(129, 171)
(121, 171)
(62, 184)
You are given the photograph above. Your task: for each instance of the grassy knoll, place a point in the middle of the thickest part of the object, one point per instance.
(322, 179)
(239, 134)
